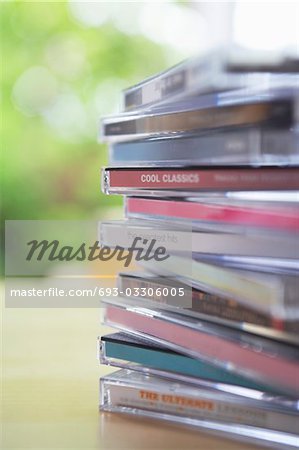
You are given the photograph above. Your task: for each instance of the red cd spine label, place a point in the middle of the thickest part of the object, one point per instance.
(223, 179)
(281, 218)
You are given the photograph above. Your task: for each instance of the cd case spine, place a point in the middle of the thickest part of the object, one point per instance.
(216, 215)
(247, 146)
(175, 82)
(269, 293)
(255, 358)
(128, 352)
(211, 73)
(275, 114)
(200, 179)
(202, 304)
(149, 396)
(186, 240)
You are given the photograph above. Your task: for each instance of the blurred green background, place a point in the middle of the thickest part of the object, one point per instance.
(64, 65)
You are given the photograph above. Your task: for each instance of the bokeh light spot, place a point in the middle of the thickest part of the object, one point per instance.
(65, 55)
(89, 14)
(35, 90)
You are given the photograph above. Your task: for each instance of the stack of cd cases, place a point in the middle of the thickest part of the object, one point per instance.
(206, 157)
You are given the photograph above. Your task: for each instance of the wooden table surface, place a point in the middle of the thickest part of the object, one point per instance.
(51, 390)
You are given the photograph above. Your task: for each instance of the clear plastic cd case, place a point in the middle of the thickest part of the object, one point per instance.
(222, 414)
(229, 215)
(125, 351)
(242, 146)
(257, 358)
(202, 242)
(193, 180)
(277, 109)
(165, 293)
(214, 72)
(258, 284)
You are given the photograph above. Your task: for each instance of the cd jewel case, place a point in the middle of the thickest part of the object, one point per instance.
(163, 292)
(205, 114)
(206, 157)
(123, 350)
(216, 72)
(257, 358)
(281, 217)
(149, 396)
(241, 244)
(196, 179)
(241, 146)
(261, 289)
